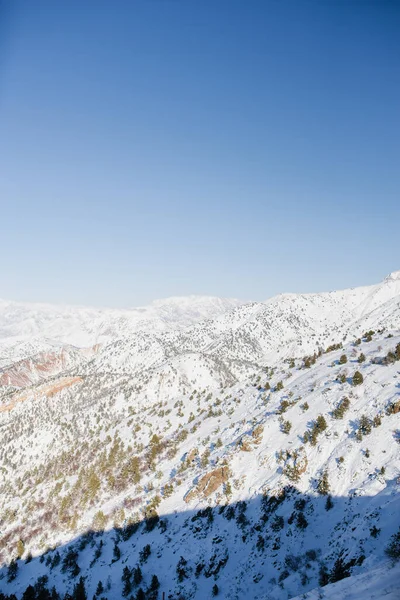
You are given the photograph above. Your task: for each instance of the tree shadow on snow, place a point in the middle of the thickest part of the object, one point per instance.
(275, 545)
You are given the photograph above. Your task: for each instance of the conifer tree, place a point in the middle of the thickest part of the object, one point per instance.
(323, 578)
(140, 594)
(323, 484)
(301, 521)
(357, 378)
(116, 552)
(340, 571)
(29, 593)
(137, 575)
(393, 549)
(365, 425)
(79, 590)
(126, 579)
(12, 571)
(155, 584)
(100, 588)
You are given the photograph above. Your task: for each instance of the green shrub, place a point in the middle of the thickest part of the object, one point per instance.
(318, 427)
(286, 427)
(357, 378)
(365, 425)
(323, 486)
(393, 549)
(342, 407)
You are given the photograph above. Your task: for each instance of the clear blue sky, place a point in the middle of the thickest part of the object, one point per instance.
(151, 148)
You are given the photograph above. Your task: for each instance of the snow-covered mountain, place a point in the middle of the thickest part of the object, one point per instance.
(32, 336)
(202, 447)
(81, 326)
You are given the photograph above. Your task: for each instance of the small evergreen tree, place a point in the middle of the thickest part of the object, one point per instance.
(377, 421)
(374, 531)
(340, 571)
(357, 378)
(153, 589)
(301, 521)
(116, 552)
(70, 564)
(323, 484)
(126, 579)
(100, 588)
(137, 575)
(29, 593)
(79, 592)
(12, 571)
(144, 553)
(393, 549)
(365, 425)
(181, 569)
(323, 578)
(321, 423)
(278, 523)
(342, 407)
(140, 594)
(343, 359)
(318, 427)
(286, 427)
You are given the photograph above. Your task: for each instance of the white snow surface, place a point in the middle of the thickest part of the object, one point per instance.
(195, 373)
(381, 582)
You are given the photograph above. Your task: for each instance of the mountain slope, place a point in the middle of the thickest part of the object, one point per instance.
(88, 326)
(238, 464)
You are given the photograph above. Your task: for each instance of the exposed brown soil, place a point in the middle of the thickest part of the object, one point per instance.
(46, 390)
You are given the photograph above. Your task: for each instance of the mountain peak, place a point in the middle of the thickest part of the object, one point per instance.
(394, 276)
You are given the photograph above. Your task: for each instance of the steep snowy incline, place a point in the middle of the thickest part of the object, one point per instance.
(259, 487)
(382, 583)
(256, 450)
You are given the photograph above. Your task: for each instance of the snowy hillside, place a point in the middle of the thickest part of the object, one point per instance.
(89, 326)
(254, 453)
